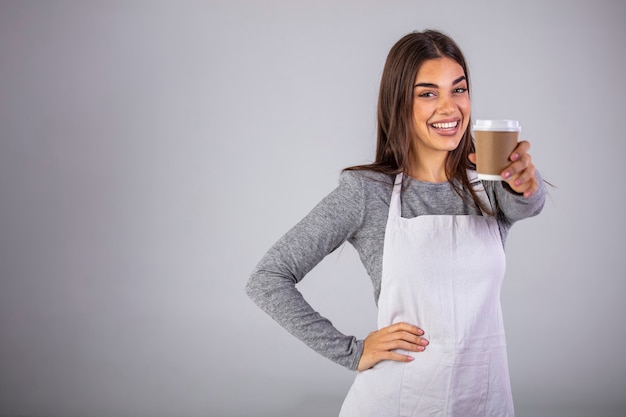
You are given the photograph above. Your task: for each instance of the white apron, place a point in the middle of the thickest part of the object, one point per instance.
(444, 275)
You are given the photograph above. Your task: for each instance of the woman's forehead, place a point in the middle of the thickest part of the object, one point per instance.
(439, 69)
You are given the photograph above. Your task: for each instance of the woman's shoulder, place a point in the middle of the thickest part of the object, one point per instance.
(371, 191)
(372, 188)
(366, 178)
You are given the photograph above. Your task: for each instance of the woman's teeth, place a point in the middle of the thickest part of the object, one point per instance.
(449, 125)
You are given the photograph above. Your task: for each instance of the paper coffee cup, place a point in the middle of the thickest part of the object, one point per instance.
(495, 141)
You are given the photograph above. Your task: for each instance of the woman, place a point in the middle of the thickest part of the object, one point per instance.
(431, 237)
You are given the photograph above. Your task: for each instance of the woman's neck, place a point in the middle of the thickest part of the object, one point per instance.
(429, 169)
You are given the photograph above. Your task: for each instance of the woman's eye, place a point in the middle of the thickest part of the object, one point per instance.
(427, 94)
(460, 90)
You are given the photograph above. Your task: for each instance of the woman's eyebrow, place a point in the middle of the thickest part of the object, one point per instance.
(431, 85)
(458, 80)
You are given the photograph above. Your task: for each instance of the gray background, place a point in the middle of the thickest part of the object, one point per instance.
(150, 152)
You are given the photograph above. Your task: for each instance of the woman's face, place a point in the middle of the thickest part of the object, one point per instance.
(441, 106)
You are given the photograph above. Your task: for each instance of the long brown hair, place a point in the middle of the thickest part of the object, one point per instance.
(395, 110)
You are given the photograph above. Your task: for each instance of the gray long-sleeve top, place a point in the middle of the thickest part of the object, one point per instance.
(356, 211)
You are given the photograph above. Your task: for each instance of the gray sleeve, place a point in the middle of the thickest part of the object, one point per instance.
(514, 206)
(272, 285)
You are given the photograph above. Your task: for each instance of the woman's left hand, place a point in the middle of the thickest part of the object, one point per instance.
(520, 174)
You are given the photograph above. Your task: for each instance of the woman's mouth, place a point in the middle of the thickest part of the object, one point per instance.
(445, 125)
(447, 128)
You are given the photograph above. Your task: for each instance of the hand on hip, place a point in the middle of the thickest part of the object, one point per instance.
(380, 345)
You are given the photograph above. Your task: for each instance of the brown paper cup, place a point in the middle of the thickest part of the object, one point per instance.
(495, 141)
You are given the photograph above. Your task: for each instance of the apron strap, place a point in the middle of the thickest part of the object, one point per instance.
(479, 188)
(395, 205)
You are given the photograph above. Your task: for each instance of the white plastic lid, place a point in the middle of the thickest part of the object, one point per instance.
(497, 125)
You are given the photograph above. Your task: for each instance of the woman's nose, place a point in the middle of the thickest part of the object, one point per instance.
(445, 105)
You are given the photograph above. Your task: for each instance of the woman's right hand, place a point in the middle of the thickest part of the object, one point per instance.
(378, 345)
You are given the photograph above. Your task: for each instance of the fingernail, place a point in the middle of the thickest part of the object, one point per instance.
(514, 157)
(518, 182)
(410, 358)
(420, 348)
(506, 175)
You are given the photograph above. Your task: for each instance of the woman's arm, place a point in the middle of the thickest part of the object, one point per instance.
(272, 285)
(514, 206)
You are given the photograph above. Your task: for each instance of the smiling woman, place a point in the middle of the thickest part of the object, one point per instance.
(431, 236)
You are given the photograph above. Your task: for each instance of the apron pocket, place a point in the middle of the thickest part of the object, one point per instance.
(469, 384)
(438, 384)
